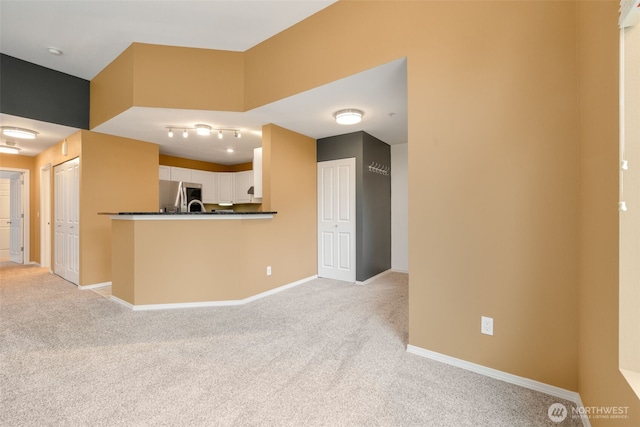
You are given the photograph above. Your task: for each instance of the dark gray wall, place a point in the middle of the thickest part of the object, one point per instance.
(373, 198)
(35, 92)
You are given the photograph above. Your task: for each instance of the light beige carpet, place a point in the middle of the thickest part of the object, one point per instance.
(324, 353)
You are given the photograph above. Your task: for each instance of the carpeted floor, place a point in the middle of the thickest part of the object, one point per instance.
(324, 353)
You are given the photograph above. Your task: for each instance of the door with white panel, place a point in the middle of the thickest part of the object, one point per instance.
(16, 253)
(337, 219)
(67, 220)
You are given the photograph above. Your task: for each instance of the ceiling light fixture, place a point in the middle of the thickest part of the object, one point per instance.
(9, 148)
(54, 51)
(19, 132)
(203, 130)
(229, 150)
(349, 116)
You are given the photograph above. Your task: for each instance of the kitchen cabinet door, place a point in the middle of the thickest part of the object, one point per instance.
(165, 173)
(180, 174)
(225, 187)
(243, 181)
(209, 185)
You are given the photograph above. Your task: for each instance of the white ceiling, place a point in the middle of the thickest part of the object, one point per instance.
(91, 33)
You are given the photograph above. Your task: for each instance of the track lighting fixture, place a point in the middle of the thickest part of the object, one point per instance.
(204, 130)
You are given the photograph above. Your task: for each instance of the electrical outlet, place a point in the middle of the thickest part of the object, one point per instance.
(486, 325)
(269, 270)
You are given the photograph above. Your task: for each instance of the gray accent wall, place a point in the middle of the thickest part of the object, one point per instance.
(373, 198)
(39, 93)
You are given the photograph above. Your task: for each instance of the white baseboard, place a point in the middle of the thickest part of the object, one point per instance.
(371, 279)
(558, 392)
(395, 270)
(94, 286)
(144, 307)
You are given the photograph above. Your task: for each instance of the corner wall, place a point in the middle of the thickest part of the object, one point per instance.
(600, 381)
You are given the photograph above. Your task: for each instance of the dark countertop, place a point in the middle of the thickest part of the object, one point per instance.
(193, 213)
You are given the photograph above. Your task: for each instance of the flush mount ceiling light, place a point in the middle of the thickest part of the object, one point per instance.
(18, 132)
(54, 51)
(9, 148)
(229, 150)
(203, 130)
(349, 116)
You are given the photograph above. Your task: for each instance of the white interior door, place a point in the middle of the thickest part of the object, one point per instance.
(16, 253)
(67, 220)
(337, 219)
(45, 216)
(5, 219)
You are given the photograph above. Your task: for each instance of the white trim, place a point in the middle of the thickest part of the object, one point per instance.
(208, 217)
(123, 302)
(558, 392)
(395, 270)
(371, 279)
(94, 286)
(145, 307)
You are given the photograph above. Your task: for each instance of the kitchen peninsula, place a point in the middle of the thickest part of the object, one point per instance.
(193, 258)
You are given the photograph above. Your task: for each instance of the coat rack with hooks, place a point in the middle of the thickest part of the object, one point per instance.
(379, 169)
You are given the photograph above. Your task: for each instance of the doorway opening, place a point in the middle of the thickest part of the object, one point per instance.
(14, 215)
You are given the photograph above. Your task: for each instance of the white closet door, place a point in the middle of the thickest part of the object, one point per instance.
(67, 220)
(337, 219)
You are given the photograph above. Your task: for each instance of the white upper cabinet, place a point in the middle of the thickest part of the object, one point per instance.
(181, 174)
(165, 173)
(209, 183)
(243, 181)
(225, 187)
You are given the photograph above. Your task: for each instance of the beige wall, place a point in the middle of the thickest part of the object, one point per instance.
(600, 382)
(118, 175)
(201, 165)
(497, 206)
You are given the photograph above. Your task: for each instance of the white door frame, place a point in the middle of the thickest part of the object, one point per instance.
(337, 220)
(26, 225)
(45, 216)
